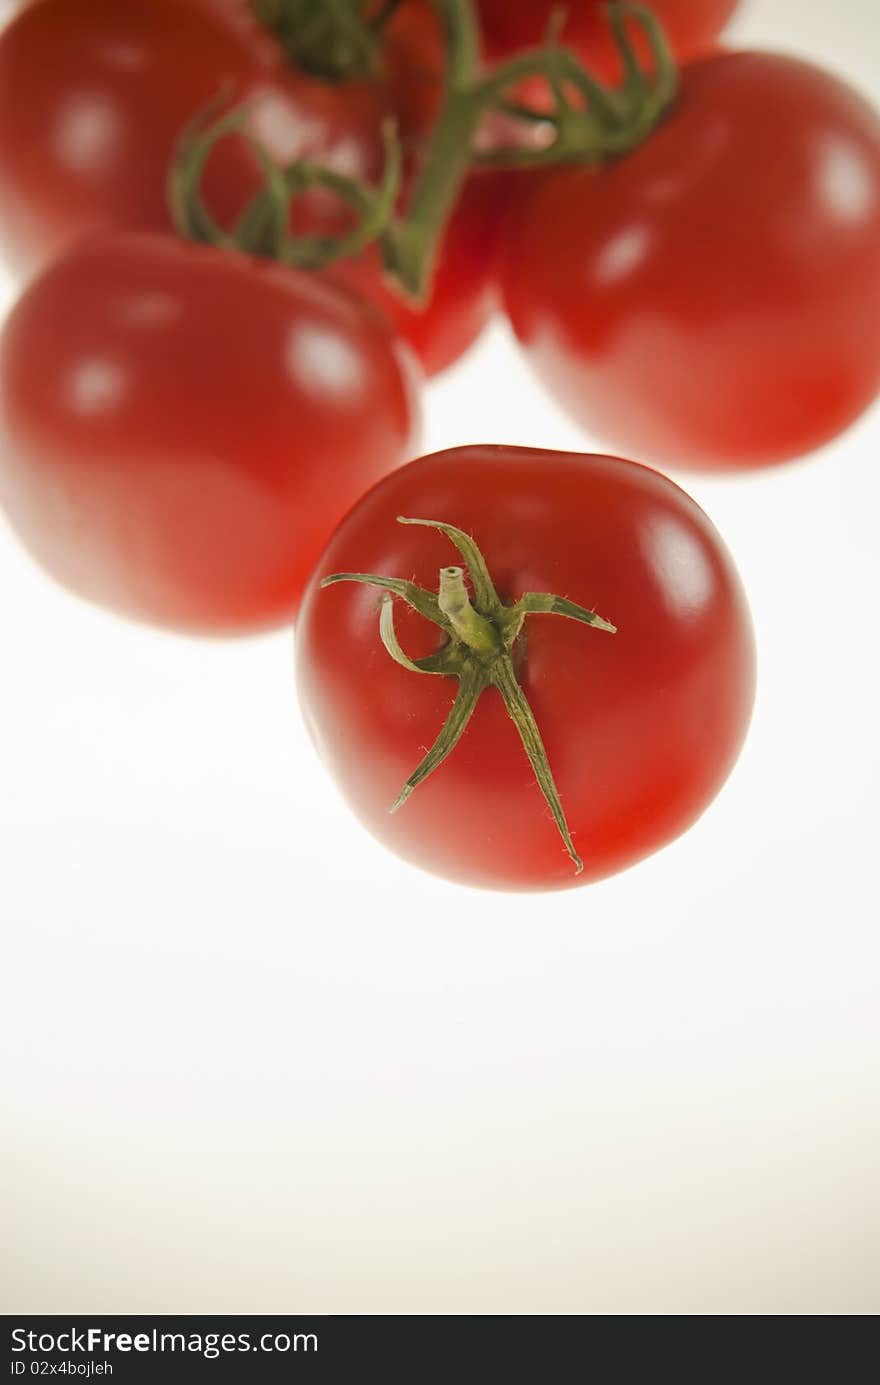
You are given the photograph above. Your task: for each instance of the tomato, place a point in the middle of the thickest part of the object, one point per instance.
(689, 25)
(181, 428)
(712, 300)
(94, 94)
(640, 727)
(465, 293)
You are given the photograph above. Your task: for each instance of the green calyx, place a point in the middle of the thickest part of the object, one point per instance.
(480, 637)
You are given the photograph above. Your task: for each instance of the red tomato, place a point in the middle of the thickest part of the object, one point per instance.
(713, 298)
(641, 727)
(689, 25)
(180, 428)
(94, 94)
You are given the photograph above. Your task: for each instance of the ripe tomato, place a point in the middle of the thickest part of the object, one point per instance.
(689, 25)
(181, 428)
(641, 727)
(713, 298)
(94, 94)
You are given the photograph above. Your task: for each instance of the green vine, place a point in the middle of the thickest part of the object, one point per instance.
(335, 40)
(263, 228)
(599, 124)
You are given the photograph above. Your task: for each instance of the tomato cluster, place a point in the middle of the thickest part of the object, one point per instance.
(220, 349)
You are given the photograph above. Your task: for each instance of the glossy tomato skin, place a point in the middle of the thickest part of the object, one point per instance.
(641, 728)
(181, 428)
(712, 300)
(95, 93)
(691, 26)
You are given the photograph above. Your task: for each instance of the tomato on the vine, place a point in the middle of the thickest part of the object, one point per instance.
(95, 93)
(712, 299)
(181, 428)
(94, 96)
(465, 292)
(640, 727)
(691, 27)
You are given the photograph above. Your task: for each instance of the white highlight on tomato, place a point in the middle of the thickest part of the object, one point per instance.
(622, 254)
(86, 133)
(96, 386)
(686, 577)
(847, 182)
(324, 361)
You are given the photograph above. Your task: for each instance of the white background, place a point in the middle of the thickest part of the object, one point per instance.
(254, 1063)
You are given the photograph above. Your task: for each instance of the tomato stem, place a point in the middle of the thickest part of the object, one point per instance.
(335, 40)
(479, 653)
(263, 227)
(609, 123)
(411, 243)
(604, 123)
(612, 122)
(471, 628)
(384, 13)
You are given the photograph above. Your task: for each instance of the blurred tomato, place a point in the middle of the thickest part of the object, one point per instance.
(181, 428)
(94, 94)
(712, 299)
(691, 26)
